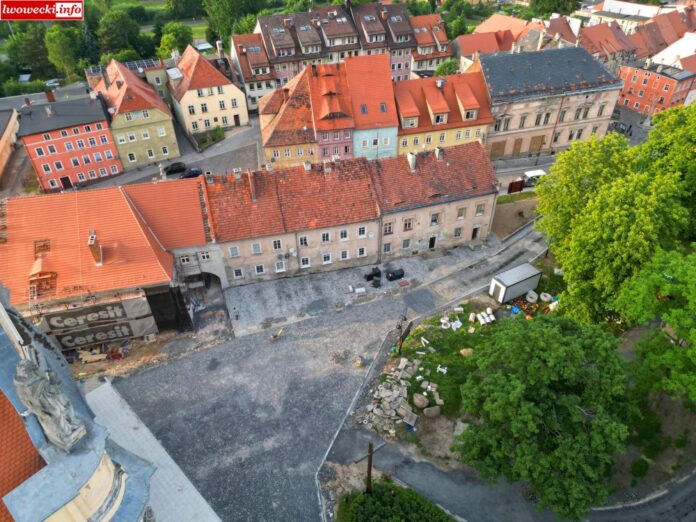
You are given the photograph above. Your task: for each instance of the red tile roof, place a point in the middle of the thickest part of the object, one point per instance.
(605, 39)
(173, 210)
(330, 97)
(133, 255)
(467, 89)
(484, 43)
(19, 459)
(198, 73)
(688, 63)
(464, 171)
(371, 91)
(251, 53)
(560, 26)
(428, 29)
(672, 26)
(648, 40)
(125, 92)
(292, 124)
(271, 102)
(497, 22)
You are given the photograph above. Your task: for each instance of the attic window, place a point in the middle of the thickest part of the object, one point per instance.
(254, 49)
(363, 108)
(396, 19)
(41, 246)
(278, 30)
(369, 18)
(436, 28)
(383, 107)
(304, 28)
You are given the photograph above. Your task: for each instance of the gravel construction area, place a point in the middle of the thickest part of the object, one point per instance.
(511, 216)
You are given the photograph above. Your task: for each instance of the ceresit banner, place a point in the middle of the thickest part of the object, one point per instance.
(77, 339)
(97, 315)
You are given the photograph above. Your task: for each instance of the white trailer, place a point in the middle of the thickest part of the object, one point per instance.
(514, 282)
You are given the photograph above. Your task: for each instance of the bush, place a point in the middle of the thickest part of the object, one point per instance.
(388, 502)
(15, 88)
(640, 468)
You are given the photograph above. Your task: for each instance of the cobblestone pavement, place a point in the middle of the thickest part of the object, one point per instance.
(250, 420)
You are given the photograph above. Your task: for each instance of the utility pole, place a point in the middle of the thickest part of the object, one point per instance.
(368, 482)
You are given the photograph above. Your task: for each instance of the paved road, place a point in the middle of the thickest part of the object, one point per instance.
(250, 420)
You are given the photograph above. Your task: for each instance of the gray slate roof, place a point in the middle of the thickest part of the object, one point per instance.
(5, 119)
(553, 71)
(63, 114)
(515, 275)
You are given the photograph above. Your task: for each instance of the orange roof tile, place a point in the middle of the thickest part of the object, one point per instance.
(251, 53)
(132, 255)
(292, 124)
(19, 459)
(198, 73)
(173, 210)
(434, 99)
(371, 91)
(648, 40)
(606, 39)
(466, 90)
(560, 26)
(428, 28)
(498, 22)
(484, 43)
(125, 92)
(688, 63)
(464, 171)
(330, 97)
(271, 102)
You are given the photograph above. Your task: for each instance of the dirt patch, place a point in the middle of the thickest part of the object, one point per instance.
(437, 437)
(511, 216)
(339, 480)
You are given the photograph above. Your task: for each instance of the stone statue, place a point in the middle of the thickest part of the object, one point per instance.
(45, 398)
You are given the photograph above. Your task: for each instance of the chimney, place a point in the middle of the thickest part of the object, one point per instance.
(252, 192)
(384, 14)
(540, 43)
(27, 101)
(314, 69)
(242, 49)
(286, 94)
(411, 161)
(175, 55)
(49, 110)
(439, 153)
(440, 83)
(220, 50)
(287, 23)
(307, 166)
(95, 248)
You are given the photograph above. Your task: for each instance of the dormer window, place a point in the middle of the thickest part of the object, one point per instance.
(383, 107)
(440, 118)
(363, 108)
(200, 93)
(470, 115)
(411, 122)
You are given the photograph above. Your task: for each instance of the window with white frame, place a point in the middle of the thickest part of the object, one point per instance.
(184, 260)
(361, 232)
(98, 156)
(304, 262)
(457, 232)
(234, 251)
(206, 123)
(259, 269)
(51, 149)
(434, 219)
(114, 169)
(165, 151)
(92, 174)
(52, 183)
(131, 157)
(461, 213)
(221, 103)
(145, 134)
(121, 139)
(150, 153)
(237, 273)
(387, 248)
(303, 241)
(103, 140)
(75, 162)
(406, 244)
(388, 228)
(326, 258)
(194, 125)
(277, 245)
(81, 177)
(131, 137)
(256, 248)
(280, 266)
(58, 165)
(343, 234)
(344, 255)
(102, 172)
(480, 209)
(68, 146)
(161, 131)
(92, 142)
(40, 152)
(362, 252)
(325, 237)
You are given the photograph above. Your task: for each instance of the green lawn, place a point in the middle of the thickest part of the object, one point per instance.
(199, 31)
(519, 196)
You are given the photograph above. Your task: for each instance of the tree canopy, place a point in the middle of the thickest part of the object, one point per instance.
(447, 67)
(63, 46)
(175, 35)
(222, 14)
(27, 49)
(117, 31)
(548, 395)
(547, 7)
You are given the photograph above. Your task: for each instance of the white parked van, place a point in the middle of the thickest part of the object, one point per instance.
(532, 176)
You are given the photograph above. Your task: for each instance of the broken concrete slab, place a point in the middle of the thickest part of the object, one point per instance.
(433, 411)
(419, 400)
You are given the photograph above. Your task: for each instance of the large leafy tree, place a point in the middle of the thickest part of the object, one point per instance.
(222, 14)
(175, 35)
(447, 67)
(548, 395)
(671, 147)
(245, 25)
(27, 49)
(665, 289)
(546, 7)
(117, 31)
(183, 8)
(63, 44)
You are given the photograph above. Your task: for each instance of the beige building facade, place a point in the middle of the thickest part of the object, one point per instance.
(144, 137)
(8, 139)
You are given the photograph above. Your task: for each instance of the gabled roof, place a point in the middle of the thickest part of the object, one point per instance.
(429, 29)
(605, 39)
(484, 43)
(648, 40)
(673, 26)
(125, 92)
(128, 222)
(19, 458)
(497, 22)
(197, 72)
(330, 97)
(688, 63)
(464, 171)
(685, 46)
(251, 53)
(466, 91)
(336, 21)
(371, 91)
(560, 26)
(78, 111)
(547, 72)
(292, 124)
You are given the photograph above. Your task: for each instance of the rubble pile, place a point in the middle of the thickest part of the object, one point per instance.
(390, 406)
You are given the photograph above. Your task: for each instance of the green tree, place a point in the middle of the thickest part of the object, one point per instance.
(549, 396)
(117, 31)
(183, 8)
(175, 35)
(671, 147)
(244, 25)
(127, 55)
(664, 289)
(222, 14)
(447, 67)
(27, 49)
(63, 45)
(546, 7)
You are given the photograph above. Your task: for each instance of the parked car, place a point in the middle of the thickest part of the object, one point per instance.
(175, 168)
(55, 82)
(532, 176)
(192, 172)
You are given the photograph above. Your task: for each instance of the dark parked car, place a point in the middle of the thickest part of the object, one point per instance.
(192, 172)
(175, 168)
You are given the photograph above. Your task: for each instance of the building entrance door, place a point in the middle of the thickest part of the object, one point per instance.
(536, 144)
(475, 232)
(431, 243)
(65, 181)
(517, 147)
(236, 120)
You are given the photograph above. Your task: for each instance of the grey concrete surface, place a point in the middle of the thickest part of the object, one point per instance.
(249, 421)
